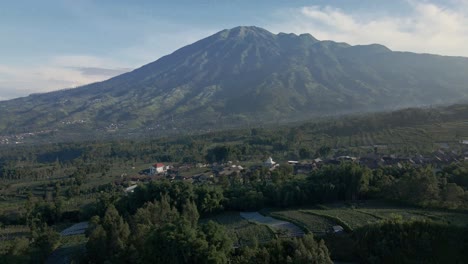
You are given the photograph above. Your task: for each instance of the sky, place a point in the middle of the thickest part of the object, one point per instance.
(56, 44)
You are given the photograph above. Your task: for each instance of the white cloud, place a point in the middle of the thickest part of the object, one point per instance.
(427, 28)
(67, 71)
(58, 72)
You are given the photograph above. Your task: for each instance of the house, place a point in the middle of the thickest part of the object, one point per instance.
(157, 168)
(201, 165)
(269, 163)
(346, 158)
(202, 178)
(336, 229)
(131, 188)
(372, 161)
(318, 160)
(392, 160)
(229, 170)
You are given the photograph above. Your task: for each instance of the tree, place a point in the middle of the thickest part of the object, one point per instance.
(453, 195)
(395, 241)
(286, 250)
(180, 242)
(304, 153)
(419, 186)
(324, 151)
(109, 239)
(45, 240)
(221, 154)
(208, 199)
(219, 242)
(347, 181)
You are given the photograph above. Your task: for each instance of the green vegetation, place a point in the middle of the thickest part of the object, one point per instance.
(46, 188)
(313, 223)
(355, 216)
(242, 232)
(349, 218)
(166, 231)
(412, 242)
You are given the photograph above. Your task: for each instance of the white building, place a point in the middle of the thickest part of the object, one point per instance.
(157, 168)
(131, 188)
(269, 163)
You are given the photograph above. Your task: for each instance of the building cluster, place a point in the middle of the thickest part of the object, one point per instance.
(374, 161)
(199, 173)
(21, 137)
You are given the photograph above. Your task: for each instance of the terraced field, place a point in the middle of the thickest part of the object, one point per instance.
(347, 217)
(11, 232)
(420, 138)
(319, 221)
(447, 217)
(280, 227)
(313, 223)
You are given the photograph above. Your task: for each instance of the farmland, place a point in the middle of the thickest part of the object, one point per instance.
(280, 227)
(312, 223)
(318, 221)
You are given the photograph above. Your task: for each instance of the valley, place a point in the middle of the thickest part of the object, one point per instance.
(309, 182)
(245, 146)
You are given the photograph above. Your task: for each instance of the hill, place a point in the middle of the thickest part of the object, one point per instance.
(242, 77)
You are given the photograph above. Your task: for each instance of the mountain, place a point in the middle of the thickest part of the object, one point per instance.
(246, 76)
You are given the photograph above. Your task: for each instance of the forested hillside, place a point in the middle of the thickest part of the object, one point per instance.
(240, 77)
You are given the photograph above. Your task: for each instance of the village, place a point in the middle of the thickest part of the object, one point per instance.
(217, 173)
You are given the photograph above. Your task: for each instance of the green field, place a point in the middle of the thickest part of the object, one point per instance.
(347, 217)
(319, 220)
(243, 232)
(313, 223)
(447, 217)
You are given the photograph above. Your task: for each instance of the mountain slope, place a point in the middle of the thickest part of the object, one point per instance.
(247, 75)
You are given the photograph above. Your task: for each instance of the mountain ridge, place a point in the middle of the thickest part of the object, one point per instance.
(248, 75)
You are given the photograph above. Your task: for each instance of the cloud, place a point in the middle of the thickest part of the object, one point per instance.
(68, 71)
(426, 28)
(58, 72)
(94, 71)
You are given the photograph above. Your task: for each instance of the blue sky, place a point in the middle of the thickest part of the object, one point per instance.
(50, 45)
